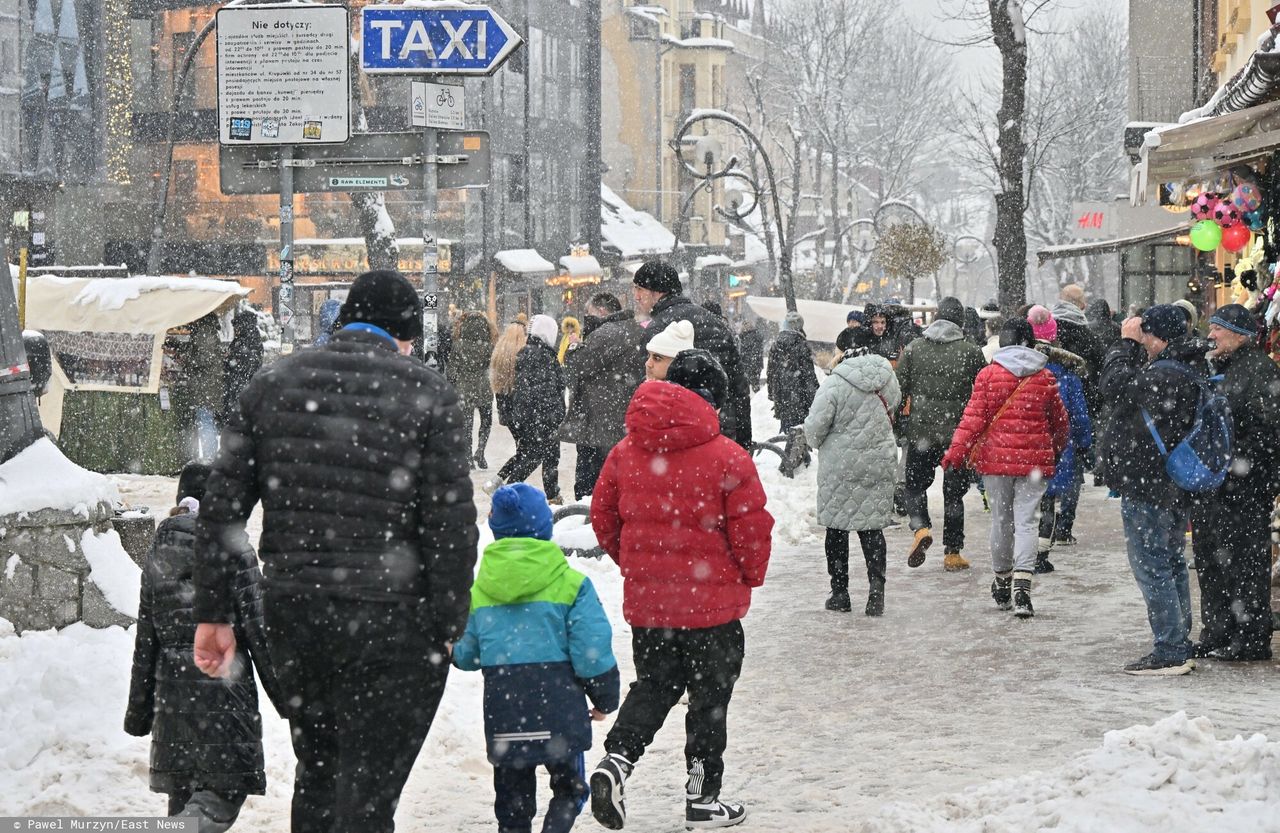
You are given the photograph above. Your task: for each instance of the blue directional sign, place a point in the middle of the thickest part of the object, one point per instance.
(447, 38)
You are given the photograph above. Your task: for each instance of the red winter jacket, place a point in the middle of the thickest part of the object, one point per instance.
(681, 509)
(1031, 432)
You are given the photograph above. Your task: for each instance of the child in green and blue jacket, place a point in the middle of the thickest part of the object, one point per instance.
(539, 633)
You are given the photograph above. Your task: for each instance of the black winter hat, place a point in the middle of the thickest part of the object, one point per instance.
(699, 371)
(950, 309)
(193, 480)
(1237, 319)
(658, 276)
(1017, 331)
(1164, 321)
(386, 299)
(860, 340)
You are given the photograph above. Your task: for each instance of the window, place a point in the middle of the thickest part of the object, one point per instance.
(515, 179)
(688, 89)
(535, 76)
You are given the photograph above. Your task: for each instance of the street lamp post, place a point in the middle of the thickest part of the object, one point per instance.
(707, 154)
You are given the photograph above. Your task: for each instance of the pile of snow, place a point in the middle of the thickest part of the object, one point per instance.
(40, 477)
(524, 261)
(1172, 776)
(112, 570)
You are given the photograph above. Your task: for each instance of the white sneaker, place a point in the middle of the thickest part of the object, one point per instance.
(492, 485)
(708, 812)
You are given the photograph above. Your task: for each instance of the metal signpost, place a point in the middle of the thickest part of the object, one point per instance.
(442, 39)
(284, 80)
(19, 420)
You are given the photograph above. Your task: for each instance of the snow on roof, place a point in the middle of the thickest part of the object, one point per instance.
(634, 233)
(40, 477)
(524, 261)
(581, 266)
(699, 43)
(114, 293)
(707, 261)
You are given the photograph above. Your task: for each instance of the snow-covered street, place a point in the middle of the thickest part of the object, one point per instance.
(943, 715)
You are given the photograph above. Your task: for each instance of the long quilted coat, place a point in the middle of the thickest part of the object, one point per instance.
(849, 426)
(1030, 433)
(681, 509)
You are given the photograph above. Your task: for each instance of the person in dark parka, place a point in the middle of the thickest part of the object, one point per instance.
(751, 343)
(658, 293)
(537, 410)
(468, 371)
(791, 376)
(1232, 529)
(244, 358)
(204, 774)
(602, 373)
(355, 450)
(1101, 322)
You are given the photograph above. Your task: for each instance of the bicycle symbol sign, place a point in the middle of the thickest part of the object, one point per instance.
(445, 106)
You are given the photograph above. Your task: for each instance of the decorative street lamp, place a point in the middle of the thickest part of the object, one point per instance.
(707, 153)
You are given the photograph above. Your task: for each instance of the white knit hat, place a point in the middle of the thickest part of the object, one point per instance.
(544, 327)
(677, 337)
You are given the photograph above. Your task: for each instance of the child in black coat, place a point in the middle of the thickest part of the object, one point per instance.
(206, 734)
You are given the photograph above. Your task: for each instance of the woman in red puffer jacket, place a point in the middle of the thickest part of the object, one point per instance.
(681, 509)
(1012, 432)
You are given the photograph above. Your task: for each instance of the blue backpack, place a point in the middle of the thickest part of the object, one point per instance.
(1201, 461)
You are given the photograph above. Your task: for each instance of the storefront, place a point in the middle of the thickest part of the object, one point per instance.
(516, 284)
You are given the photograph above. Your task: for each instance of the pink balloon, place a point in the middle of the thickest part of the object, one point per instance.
(1202, 208)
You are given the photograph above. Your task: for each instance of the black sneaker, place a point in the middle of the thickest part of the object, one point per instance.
(1002, 592)
(1022, 598)
(1149, 666)
(607, 802)
(839, 602)
(1043, 564)
(707, 811)
(1064, 539)
(1203, 650)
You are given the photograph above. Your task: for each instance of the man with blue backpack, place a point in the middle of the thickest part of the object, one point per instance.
(1232, 529)
(1155, 383)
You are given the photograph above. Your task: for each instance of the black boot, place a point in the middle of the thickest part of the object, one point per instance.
(838, 601)
(1043, 564)
(837, 548)
(1022, 596)
(875, 599)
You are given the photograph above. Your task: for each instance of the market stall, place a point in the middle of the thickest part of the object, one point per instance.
(130, 357)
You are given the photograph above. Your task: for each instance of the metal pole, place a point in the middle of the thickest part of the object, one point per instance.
(22, 288)
(284, 308)
(431, 303)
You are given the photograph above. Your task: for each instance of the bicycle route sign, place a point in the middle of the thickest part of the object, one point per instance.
(436, 105)
(447, 37)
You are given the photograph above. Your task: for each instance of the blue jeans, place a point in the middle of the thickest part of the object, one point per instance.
(1156, 540)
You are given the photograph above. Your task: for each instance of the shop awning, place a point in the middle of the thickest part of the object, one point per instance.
(709, 261)
(1098, 247)
(628, 231)
(1201, 147)
(524, 262)
(581, 266)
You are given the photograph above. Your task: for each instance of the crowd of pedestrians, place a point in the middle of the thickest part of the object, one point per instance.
(361, 458)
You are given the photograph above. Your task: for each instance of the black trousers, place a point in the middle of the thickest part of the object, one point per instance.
(363, 680)
(531, 452)
(922, 465)
(1049, 515)
(516, 796)
(590, 461)
(874, 552)
(704, 661)
(1232, 544)
(486, 425)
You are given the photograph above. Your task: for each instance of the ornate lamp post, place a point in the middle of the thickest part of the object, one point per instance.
(707, 153)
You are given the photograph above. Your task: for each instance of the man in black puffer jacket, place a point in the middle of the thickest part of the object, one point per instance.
(169, 699)
(357, 455)
(657, 293)
(792, 379)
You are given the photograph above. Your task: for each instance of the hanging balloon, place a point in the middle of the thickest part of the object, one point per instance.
(1226, 215)
(1206, 235)
(1202, 208)
(1246, 197)
(1235, 238)
(1253, 219)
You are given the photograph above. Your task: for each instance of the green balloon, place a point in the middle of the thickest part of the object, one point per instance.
(1206, 235)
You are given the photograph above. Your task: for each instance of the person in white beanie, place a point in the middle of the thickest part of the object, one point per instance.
(665, 346)
(537, 409)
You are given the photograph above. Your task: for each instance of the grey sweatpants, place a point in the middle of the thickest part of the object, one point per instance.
(1015, 507)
